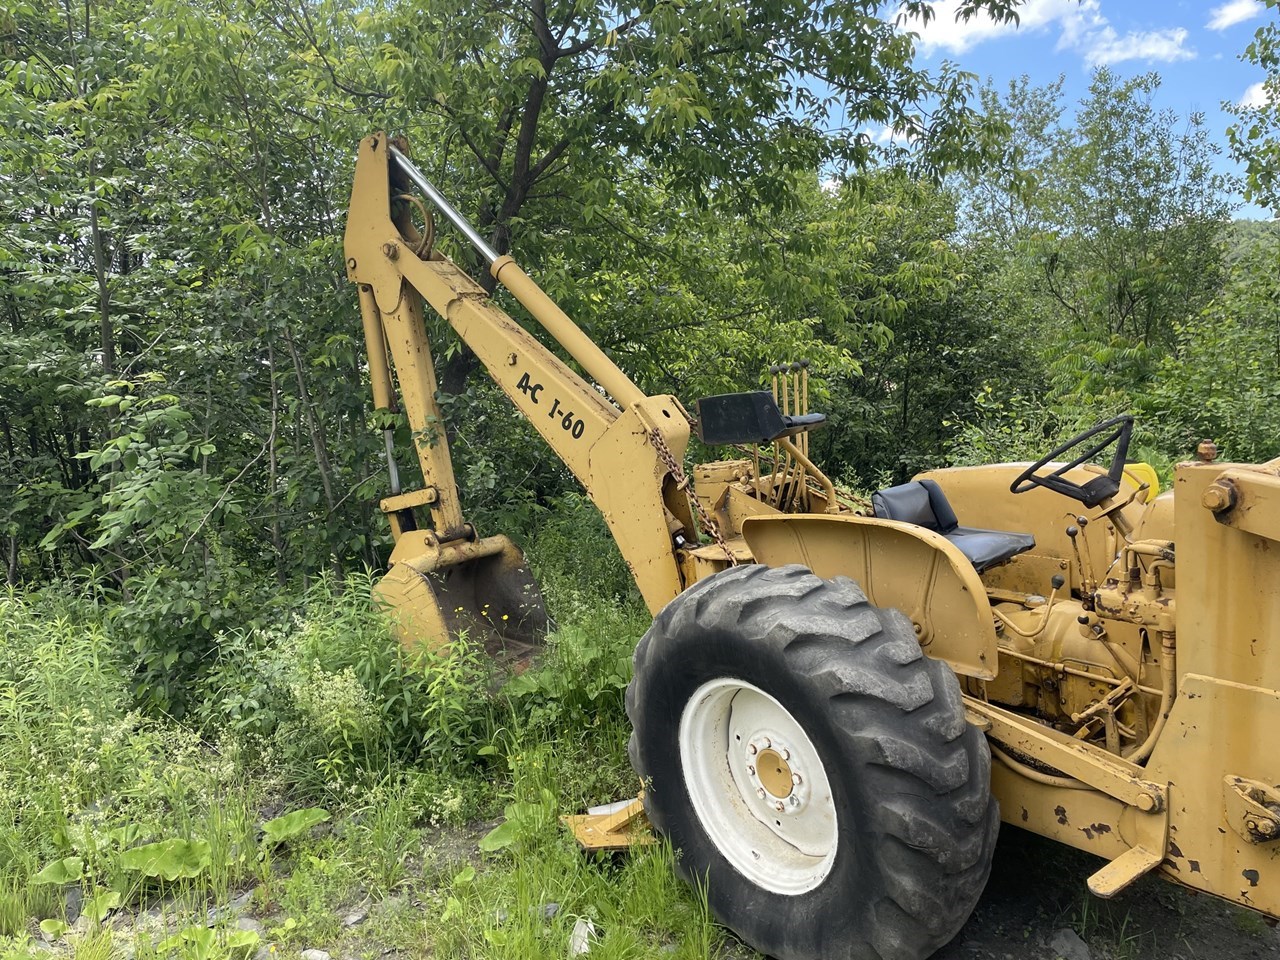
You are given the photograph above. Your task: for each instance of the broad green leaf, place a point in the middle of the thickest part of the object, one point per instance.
(500, 837)
(66, 870)
(100, 904)
(53, 929)
(292, 824)
(168, 859)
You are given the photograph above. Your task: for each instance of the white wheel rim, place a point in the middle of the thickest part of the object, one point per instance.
(782, 840)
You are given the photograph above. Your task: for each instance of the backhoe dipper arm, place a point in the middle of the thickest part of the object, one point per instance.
(611, 451)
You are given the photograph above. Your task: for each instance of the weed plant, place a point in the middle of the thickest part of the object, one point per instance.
(394, 765)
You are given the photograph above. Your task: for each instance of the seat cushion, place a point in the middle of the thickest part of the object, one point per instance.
(923, 503)
(986, 548)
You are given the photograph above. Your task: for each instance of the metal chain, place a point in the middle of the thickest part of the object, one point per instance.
(709, 526)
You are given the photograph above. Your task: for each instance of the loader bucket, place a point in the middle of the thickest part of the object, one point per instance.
(481, 589)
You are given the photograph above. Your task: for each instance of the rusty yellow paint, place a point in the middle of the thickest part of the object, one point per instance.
(605, 444)
(436, 591)
(1219, 734)
(898, 565)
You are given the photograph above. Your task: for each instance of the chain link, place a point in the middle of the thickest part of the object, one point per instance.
(709, 526)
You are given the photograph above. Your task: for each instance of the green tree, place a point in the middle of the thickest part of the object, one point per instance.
(1115, 221)
(1255, 136)
(1222, 380)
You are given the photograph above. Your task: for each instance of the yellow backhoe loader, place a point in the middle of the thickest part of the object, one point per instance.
(818, 703)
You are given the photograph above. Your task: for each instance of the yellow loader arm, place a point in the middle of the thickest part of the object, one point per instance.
(610, 437)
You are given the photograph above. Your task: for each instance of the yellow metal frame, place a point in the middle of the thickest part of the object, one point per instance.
(1199, 801)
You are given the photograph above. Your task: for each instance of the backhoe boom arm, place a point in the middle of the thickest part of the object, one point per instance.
(611, 451)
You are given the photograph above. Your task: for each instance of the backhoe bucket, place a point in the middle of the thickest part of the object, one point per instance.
(480, 589)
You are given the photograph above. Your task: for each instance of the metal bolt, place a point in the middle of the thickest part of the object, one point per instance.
(767, 743)
(390, 251)
(1219, 496)
(786, 754)
(779, 806)
(1252, 825)
(751, 769)
(795, 801)
(795, 778)
(760, 792)
(1146, 802)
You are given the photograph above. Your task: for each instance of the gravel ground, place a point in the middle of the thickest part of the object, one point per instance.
(1036, 907)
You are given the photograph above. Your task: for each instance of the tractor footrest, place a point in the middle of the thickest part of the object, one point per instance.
(1123, 870)
(614, 827)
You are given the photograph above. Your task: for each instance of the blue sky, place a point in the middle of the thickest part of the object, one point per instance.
(1194, 46)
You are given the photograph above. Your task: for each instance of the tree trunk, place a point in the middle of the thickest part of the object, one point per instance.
(317, 437)
(273, 467)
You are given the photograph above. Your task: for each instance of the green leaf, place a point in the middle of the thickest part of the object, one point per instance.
(194, 943)
(500, 837)
(100, 904)
(53, 929)
(292, 824)
(66, 870)
(168, 859)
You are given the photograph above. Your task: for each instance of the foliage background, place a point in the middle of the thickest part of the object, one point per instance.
(190, 467)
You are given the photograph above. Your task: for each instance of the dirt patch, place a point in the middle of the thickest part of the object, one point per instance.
(1037, 888)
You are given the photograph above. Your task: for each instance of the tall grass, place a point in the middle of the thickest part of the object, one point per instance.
(322, 708)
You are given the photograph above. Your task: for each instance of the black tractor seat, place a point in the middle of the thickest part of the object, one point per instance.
(923, 503)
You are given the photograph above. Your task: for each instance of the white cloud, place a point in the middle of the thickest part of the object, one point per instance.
(1080, 26)
(888, 134)
(944, 31)
(1256, 96)
(1233, 12)
(1106, 47)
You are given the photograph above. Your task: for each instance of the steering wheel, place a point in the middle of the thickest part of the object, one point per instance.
(1117, 430)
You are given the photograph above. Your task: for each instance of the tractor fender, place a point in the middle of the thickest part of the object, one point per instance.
(897, 565)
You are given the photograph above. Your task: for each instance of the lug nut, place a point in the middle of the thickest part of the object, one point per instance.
(795, 801)
(760, 792)
(795, 778)
(751, 749)
(786, 754)
(779, 806)
(767, 743)
(751, 769)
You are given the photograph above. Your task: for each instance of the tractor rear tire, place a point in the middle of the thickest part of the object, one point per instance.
(813, 769)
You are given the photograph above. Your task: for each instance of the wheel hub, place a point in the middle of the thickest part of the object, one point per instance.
(774, 772)
(775, 775)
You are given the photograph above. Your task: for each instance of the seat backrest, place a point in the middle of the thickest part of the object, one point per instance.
(749, 418)
(921, 502)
